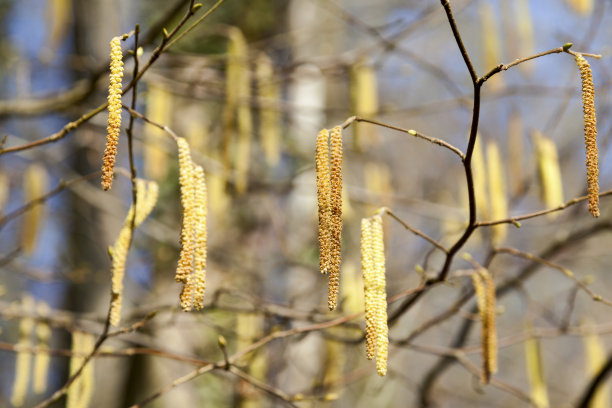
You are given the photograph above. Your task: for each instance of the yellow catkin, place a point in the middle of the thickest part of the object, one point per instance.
(364, 101)
(497, 191)
(492, 46)
(367, 268)
(186, 296)
(24, 358)
(590, 133)
(491, 321)
(5, 188)
(485, 296)
(81, 390)
(479, 172)
(378, 258)
(201, 237)
(159, 108)
(582, 7)
(549, 171)
(186, 181)
(515, 153)
(58, 16)
(323, 199)
(377, 181)
(524, 28)
(595, 359)
(268, 93)
(237, 86)
(335, 200)
(146, 198)
(114, 113)
(42, 358)
(35, 182)
(535, 373)
(245, 133)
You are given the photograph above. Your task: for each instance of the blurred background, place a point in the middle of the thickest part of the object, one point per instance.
(308, 64)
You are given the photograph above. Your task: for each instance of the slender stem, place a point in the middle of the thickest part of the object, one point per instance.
(464, 53)
(411, 132)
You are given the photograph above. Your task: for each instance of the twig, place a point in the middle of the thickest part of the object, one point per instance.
(515, 220)
(565, 271)
(275, 392)
(415, 231)
(411, 132)
(40, 200)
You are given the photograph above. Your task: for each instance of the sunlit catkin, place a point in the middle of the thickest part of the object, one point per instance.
(335, 200)
(24, 358)
(378, 259)
(590, 133)
(524, 27)
(516, 152)
(114, 113)
(159, 108)
(186, 180)
(35, 182)
(81, 390)
(323, 199)
(364, 101)
(492, 48)
(369, 283)
(268, 94)
(237, 110)
(479, 171)
(549, 171)
(535, 373)
(42, 358)
(595, 360)
(201, 236)
(146, 198)
(497, 191)
(485, 296)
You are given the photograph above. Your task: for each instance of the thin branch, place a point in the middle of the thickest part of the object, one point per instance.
(275, 392)
(515, 220)
(565, 271)
(411, 132)
(5, 219)
(415, 231)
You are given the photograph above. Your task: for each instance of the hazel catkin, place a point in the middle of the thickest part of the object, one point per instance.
(590, 133)
(114, 113)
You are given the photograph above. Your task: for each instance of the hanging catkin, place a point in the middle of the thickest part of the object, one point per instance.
(323, 198)
(375, 293)
(42, 358)
(201, 235)
(268, 93)
(485, 296)
(146, 198)
(549, 171)
(378, 258)
(336, 215)
(535, 373)
(497, 193)
(590, 133)
(24, 358)
(35, 183)
(367, 268)
(114, 113)
(185, 262)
